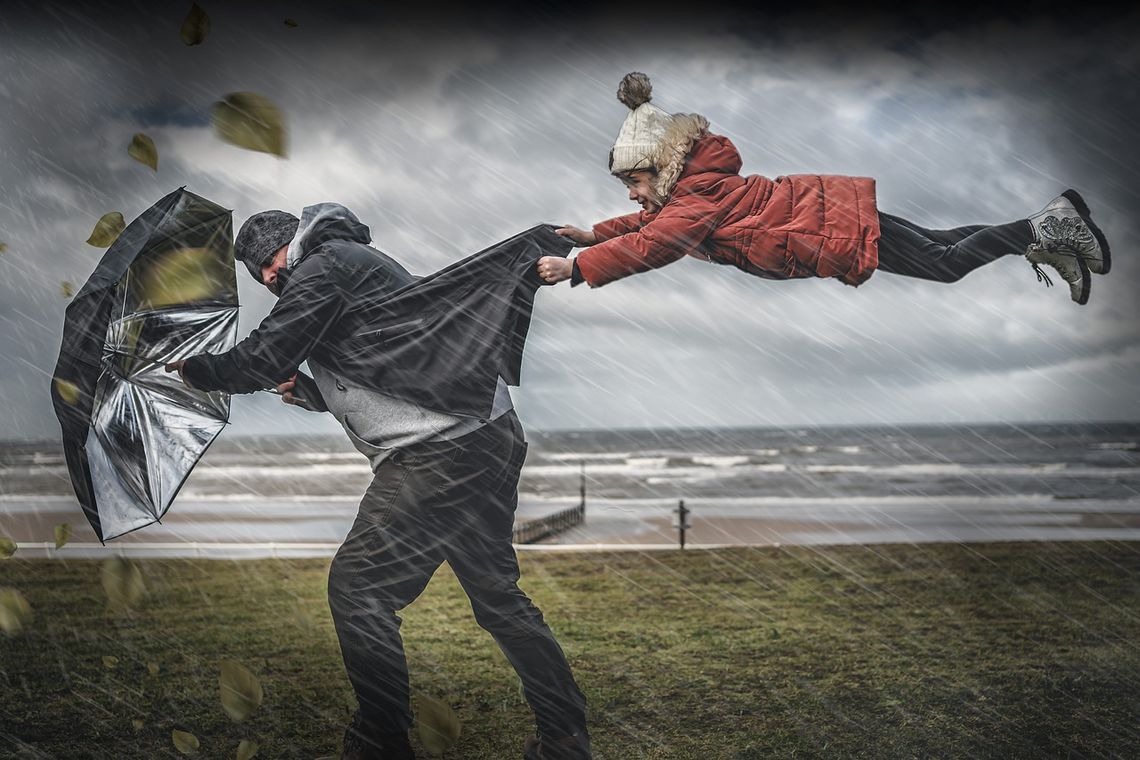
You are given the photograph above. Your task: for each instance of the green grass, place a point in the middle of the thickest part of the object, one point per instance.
(994, 650)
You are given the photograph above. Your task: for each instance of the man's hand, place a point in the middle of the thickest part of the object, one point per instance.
(553, 269)
(177, 367)
(286, 391)
(580, 237)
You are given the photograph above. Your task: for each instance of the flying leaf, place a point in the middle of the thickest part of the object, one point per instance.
(123, 582)
(67, 390)
(184, 741)
(7, 548)
(137, 724)
(3, 247)
(142, 150)
(437, 724)
(196, 26)
(110, 662)
(107, 229)
(246, 749)
(250, 121)
(66, 289)
(240, 691)
(15, 612)
(62, 534)
(152, 668)
(181, 276)
(291, 23)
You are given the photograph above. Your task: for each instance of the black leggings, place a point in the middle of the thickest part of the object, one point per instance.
(946, 255)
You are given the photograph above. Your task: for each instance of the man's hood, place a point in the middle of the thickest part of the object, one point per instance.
(321, 223)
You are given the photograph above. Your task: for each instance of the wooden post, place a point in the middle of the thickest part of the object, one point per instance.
(682, 520)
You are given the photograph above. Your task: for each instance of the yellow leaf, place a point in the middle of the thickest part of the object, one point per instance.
(107, 229)
(67, 390)
(239, 690)
(250, 121)
(3, 247)
(62, 534)
(437, 724)
(291, 23)
(196, 26)
(123, 582)
(110, 661)
(142, 150)
(137, 724)
(15, 612)
(7, 548)
(246, 749)
(152, 668)
(66, 289)
(180, 276)
(184, 741)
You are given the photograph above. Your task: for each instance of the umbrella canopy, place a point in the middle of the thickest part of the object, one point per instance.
(165, 290)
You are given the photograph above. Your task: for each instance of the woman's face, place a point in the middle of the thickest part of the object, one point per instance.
(640, 185)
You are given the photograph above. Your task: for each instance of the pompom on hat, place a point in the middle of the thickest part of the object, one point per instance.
(641, 133)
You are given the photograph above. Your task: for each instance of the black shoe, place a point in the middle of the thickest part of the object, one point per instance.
(573, 747)
(359, 745)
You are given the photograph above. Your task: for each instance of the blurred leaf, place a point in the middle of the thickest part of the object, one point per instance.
(123, 582)
(15, 612)
(196, 26)
(180, 276)
(67, 390)
(152, 668)
(107, 230)
(184, 741)
(250, 121)
(110, 661)
(437, 724)
(137, 724)
(62, 534)
(142, 150)
(7, 548)
(66, 289)
(291, 23)
(3, 247)
(240, 691)
(246, 749)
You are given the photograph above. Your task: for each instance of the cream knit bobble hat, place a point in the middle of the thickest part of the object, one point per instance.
(640, 136)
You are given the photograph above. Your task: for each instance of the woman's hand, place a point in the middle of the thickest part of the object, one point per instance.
(580, 237)
(553, 269)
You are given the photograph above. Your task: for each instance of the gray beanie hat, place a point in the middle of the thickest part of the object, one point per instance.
(261, 236)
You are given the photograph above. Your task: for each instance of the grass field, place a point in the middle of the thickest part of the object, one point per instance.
(992, 650)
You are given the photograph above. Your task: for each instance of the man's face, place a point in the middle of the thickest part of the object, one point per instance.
(640, 185)
(269, 271)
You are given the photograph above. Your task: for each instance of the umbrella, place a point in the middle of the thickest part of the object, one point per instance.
(165, 290)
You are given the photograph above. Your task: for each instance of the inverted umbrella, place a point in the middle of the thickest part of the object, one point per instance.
(165, 290)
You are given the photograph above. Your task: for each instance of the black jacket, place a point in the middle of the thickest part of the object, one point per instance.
(440, 341)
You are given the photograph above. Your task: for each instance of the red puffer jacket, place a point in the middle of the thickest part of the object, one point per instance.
(801, 225)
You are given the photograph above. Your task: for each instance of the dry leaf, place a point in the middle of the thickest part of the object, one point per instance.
(180, 276)
(250, 121)
(196, 26)
(107, 230)
(240, 691)
(184, 741)
(7, 548)
(142, 150)
(67, 390)
(110, 661)
(15, 612)
(246, 749)
(123, 582)
(66, 289)
(437, 724)
(137, 724)
(152, 668)
(62, 534)
(3, 247)
(291, 23)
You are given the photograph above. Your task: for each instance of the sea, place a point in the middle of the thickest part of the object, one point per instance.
(277, 496)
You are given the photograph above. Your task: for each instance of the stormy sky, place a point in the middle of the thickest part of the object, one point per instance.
(446, 132)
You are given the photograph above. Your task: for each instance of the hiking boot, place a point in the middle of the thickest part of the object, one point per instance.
(361, 746)
(1066, 224)
(1070, 266)
(573, 747)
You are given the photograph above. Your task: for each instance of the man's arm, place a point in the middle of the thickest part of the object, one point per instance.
(311, 303)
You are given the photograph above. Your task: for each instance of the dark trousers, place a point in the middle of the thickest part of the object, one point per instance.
(452, 501)
(946, 255)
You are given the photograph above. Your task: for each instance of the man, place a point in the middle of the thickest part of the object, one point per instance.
(416, 371)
